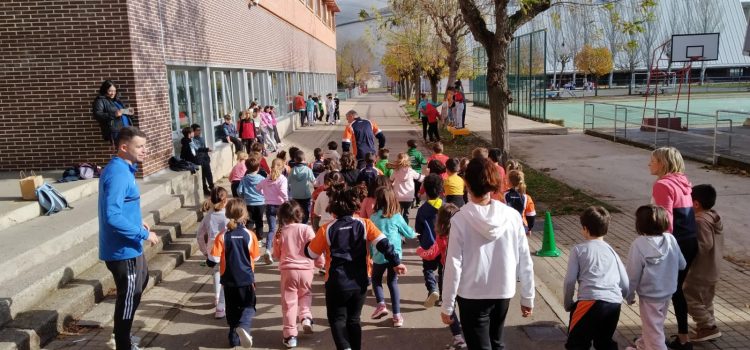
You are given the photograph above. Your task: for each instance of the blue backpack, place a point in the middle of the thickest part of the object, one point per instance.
(50, 199)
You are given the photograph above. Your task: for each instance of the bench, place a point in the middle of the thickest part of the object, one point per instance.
(458, 132)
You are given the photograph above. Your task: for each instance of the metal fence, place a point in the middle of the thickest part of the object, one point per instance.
(717, 138)
(527, 76)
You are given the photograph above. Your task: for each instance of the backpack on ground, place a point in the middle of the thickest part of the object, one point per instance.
(50, 199)
(88, 171)
(182, 165)
(69, 174)
(515, 200)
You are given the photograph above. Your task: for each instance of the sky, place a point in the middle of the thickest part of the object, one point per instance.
(350, 8)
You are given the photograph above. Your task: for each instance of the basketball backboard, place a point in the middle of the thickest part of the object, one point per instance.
(695, 47)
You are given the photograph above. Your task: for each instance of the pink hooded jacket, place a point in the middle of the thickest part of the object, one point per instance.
(673, 193)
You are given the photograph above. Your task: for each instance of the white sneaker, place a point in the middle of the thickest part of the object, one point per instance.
(245, 338)
(307, 326)
(112, 344)
(220, 313)
(431, 299)
(267, 258)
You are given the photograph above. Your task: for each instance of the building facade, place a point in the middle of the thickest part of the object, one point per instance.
(175, 63)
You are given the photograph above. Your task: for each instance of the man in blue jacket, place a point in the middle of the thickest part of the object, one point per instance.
(122, 230)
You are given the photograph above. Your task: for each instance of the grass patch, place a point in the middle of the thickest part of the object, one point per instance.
(548, 193)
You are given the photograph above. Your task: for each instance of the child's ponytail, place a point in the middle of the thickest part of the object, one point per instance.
(236, 213)
(516, 179)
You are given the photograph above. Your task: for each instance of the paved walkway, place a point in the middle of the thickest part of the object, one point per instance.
(177, 314)
(591, 164)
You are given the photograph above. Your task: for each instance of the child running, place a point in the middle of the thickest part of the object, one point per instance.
(424, 224)
(212, 224)
(238, 171)
(653, 263)
(367, 208)
(255, 201)
(417, 161)
(404, 177)
(275, 190)
(382, 163)
(454, 184)
(296, 271)
(320, 208)
(392, 224)
(345, 243)
(517, 198)
(443, 228)
(234, 250)
(602, 284)
(300, 182)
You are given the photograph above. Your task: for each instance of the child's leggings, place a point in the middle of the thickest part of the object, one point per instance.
(653, 315)
(218, 289)
(377, 285)
(405, 210)
(296, 298)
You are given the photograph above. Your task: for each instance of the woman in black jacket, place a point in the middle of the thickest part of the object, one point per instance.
(108, 111)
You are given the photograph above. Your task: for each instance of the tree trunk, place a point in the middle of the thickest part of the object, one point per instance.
(434, 79)
(499, 94)
(574, 80)
(611, 79)
(417, 84)
(703, 72)
(554, 79)
(453, 63)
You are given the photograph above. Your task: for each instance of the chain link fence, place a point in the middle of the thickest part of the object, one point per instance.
(527, 76)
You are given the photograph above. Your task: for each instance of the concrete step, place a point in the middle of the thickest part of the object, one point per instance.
(40, 239)
(14, 210)
(33, 328)
(34, 283)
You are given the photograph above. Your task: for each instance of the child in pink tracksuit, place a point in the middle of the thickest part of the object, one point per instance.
(296, 271)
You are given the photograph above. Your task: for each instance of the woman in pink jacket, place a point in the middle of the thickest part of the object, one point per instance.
(296, 271)
(672, 191)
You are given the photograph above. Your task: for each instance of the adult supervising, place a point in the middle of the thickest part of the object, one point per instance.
(122, 230)
(359, 137)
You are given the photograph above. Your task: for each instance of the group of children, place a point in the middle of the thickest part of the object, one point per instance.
(255, 124)
(373, 201)
(351, 222)
(316, 107)
(656, 259)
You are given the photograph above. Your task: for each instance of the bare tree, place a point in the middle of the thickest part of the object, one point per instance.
(610, 18)
(450, 29)
(706, 19)
(650, 38)
(573, 39)
(354, 59)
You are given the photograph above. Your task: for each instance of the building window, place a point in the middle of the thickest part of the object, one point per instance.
(185, 100)
(223, 94)
(310, 3)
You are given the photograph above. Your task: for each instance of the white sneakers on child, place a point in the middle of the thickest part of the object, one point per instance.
(431, 300)
(267, 258)
(134, 341)
(245, 338)
(307, 326)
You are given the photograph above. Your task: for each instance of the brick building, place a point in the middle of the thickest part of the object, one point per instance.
(175, 63)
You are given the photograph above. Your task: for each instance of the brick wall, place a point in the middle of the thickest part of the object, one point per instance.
(56, 53)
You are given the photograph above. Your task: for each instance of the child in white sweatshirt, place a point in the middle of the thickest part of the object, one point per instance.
(653, 262)
(483, 281)
(214, 222)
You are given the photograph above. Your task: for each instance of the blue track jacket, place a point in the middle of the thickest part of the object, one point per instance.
(121, 231)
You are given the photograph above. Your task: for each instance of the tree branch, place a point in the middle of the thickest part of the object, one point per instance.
(526, 13)
(476, 22)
